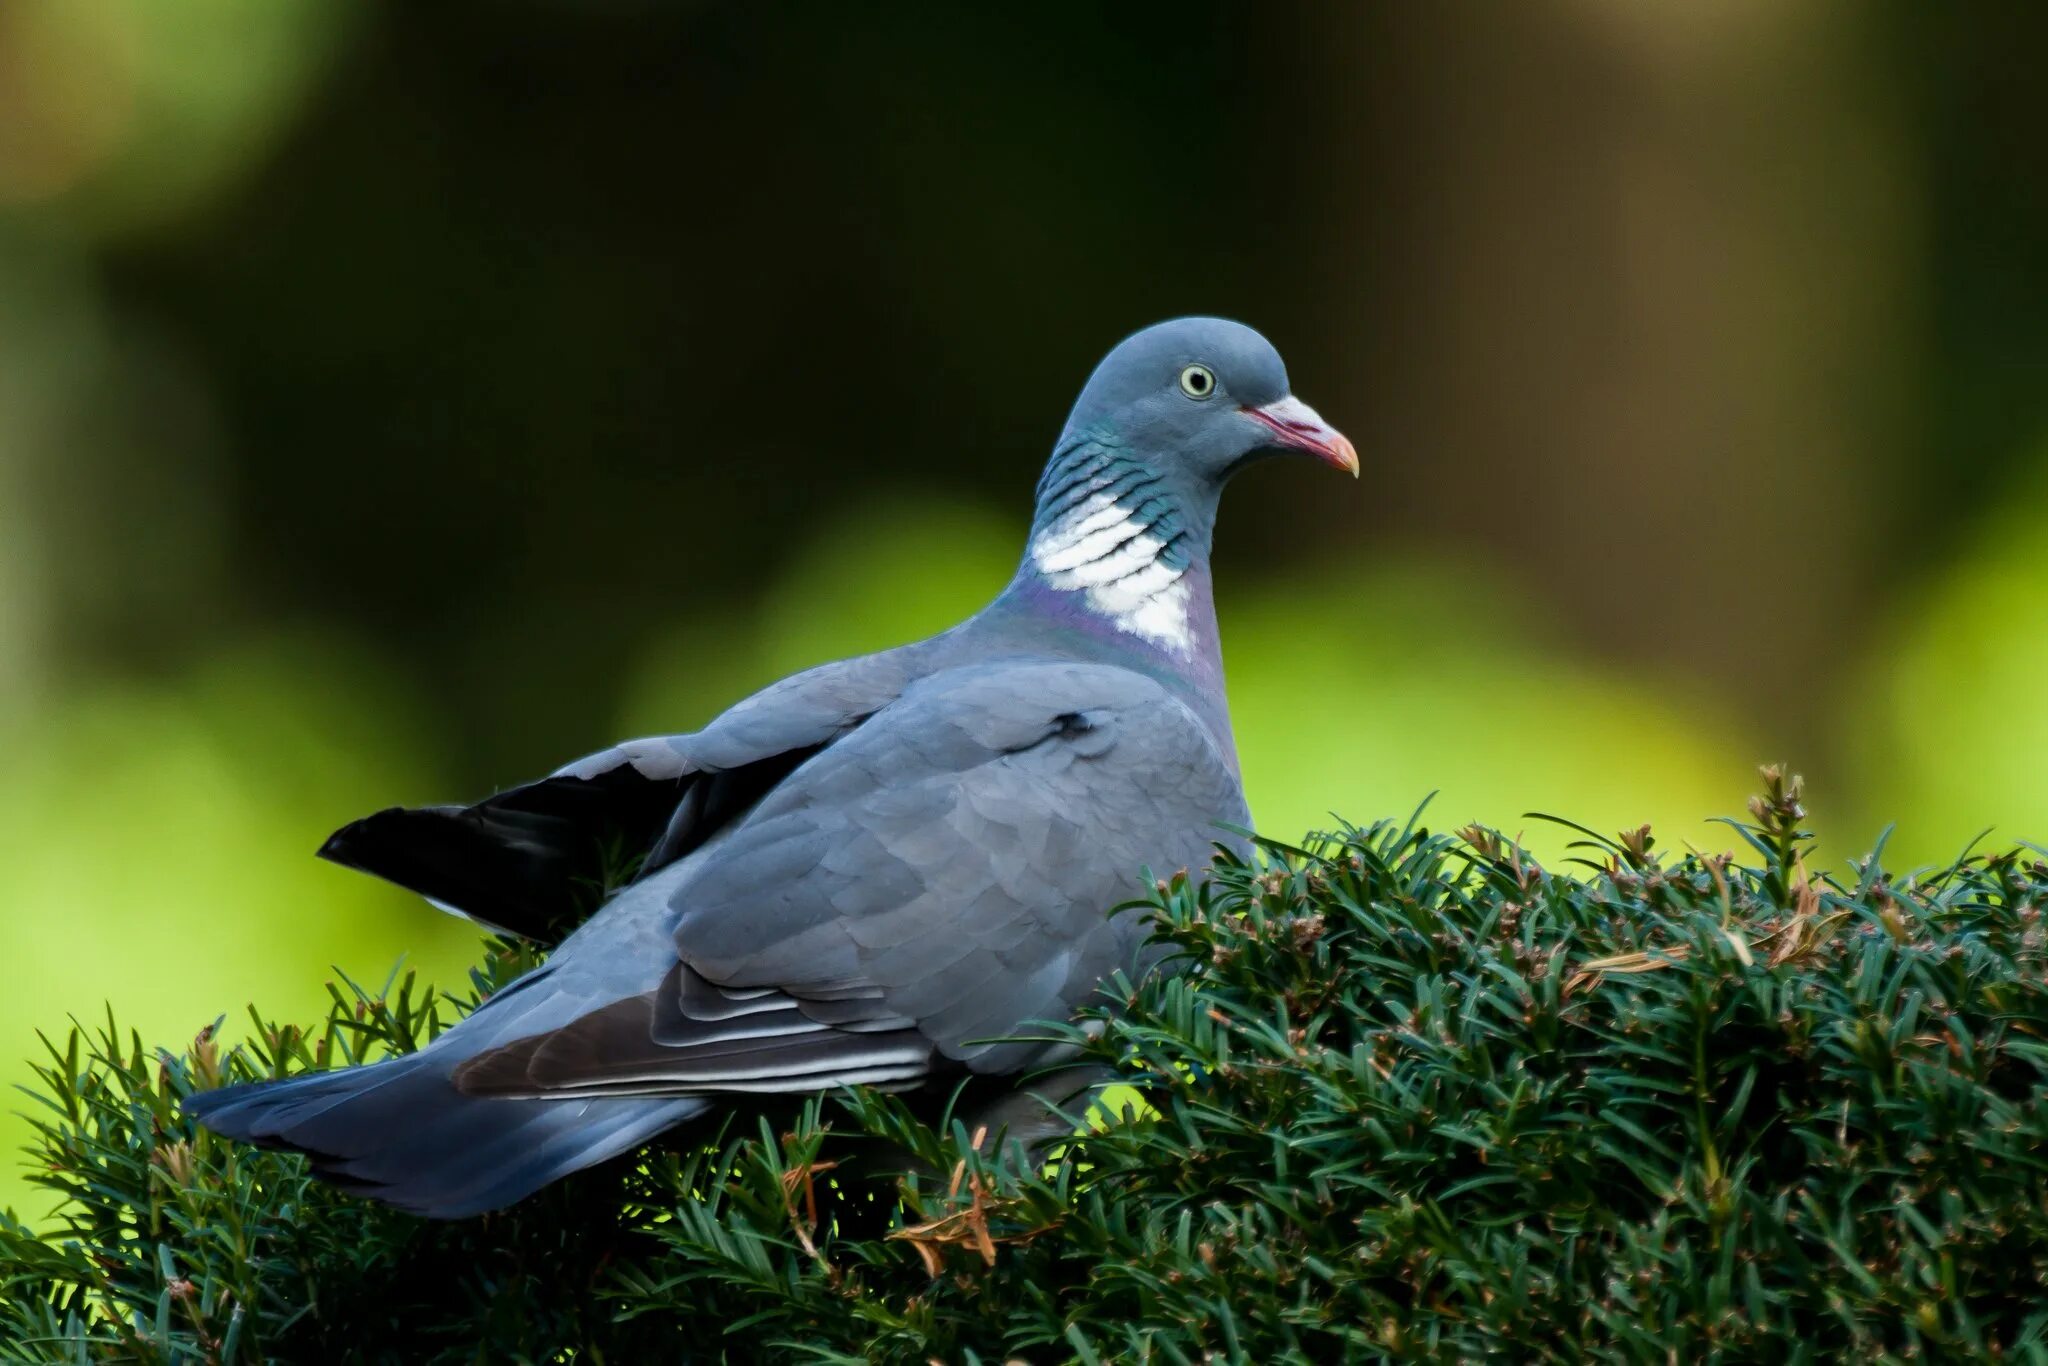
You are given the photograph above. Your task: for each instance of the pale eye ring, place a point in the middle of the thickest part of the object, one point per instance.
(1198, 381)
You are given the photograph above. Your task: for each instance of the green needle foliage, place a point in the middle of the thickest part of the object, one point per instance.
(1415, 1097)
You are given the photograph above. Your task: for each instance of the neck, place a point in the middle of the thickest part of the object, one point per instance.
(1115, 539)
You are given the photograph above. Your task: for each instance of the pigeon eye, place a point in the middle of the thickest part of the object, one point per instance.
(1198, 381)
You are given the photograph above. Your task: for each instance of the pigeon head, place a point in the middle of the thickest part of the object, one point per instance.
(1201, 397)
(1127, 505)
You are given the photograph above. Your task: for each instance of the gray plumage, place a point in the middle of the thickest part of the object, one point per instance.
(873, 872)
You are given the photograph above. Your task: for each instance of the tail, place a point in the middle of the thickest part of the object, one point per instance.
(400, 1132)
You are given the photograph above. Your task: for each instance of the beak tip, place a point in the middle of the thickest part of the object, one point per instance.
(1344, 455)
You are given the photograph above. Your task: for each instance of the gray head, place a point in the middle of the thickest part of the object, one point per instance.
(1203, 396)
(1120, 540)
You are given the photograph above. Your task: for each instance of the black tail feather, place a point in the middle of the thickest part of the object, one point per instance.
(532, 861)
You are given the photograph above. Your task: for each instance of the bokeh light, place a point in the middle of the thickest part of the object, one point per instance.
(121, 118)
(1950, 729)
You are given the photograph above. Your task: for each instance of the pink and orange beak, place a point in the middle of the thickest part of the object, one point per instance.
(1297, 427)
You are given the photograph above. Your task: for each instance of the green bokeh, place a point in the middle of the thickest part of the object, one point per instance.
(156, 853)
(1949, 726)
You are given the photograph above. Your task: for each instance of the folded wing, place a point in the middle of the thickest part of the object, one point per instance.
(536, 859)
(911, 894)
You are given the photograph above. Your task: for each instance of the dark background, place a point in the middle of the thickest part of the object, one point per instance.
(397, 400)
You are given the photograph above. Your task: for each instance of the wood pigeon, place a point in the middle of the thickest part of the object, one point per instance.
(868, 873)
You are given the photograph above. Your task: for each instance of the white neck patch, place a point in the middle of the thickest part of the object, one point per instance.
(1099, 549)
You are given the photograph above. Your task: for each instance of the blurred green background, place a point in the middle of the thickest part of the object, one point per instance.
(399, 399)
